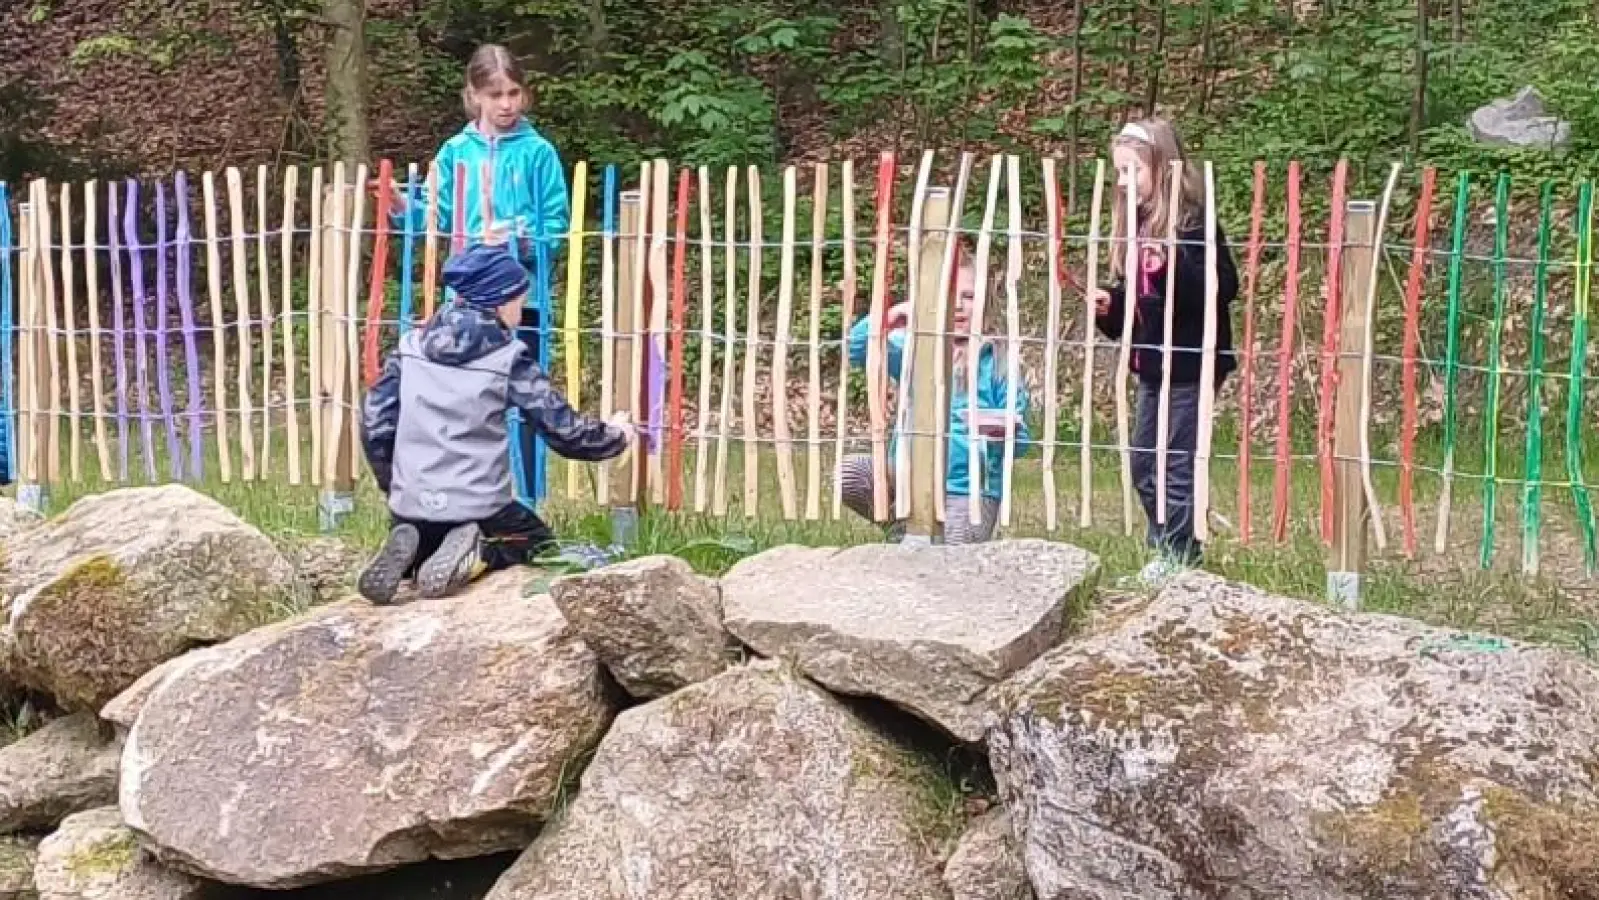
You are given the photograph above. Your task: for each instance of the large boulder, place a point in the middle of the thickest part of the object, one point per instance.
(930, 628)
(986, 864)
(125, 580)
(67, 766)
(755, 785)
(1520, 122)
(17, 858)
(655, 624)
(94, 857)
(358, 739)
(1219, 741)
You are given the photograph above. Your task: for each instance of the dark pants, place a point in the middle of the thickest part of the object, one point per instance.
(514, 536)
(1176, 537)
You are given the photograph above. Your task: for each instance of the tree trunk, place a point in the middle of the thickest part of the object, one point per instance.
(345, 118)
(1418, 103)
(1157, 63)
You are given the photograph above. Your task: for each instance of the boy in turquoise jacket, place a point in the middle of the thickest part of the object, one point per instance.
(992, 394)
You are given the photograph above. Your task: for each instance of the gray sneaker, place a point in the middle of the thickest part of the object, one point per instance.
(381, 578)
(454, 565)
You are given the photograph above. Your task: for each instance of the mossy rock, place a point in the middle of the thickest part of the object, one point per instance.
(124, 581)
(1220, 741)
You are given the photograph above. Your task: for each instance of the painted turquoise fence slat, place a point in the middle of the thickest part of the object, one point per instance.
(1490, 483)
(1579, 361)
(8, 406)
(1452, 360)
(1532, 493)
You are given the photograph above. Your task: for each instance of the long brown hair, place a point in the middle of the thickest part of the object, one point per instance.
(488, 61)
(1155, 216)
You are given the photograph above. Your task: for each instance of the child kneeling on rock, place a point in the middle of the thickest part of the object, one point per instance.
(435, 434)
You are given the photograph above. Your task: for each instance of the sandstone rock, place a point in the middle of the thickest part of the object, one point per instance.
(755, 785)
(928, 628)
(358, 739)
(986, 864)
(655, 624)
(1519, 122)
(17, 858)
(1222, 742)
(94, 857)
(65, 767)
(128, 579)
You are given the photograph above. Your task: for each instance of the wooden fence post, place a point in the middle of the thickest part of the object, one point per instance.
(331, 382)
(31, 365)
(927, 338)
(622, 475)
(1346, 564)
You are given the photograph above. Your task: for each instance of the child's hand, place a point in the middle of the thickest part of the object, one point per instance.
(622, 422)
(398, 199)
(1101, 302)
(1152, 258)
(898, 316)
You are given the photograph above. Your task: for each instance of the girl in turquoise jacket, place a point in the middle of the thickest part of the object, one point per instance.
(992, 393)
(527, 207)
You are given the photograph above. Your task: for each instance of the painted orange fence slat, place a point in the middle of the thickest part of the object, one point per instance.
(1285, 364)
(1331, 317)
(1247, 393)
(380, 266)
(674, 446)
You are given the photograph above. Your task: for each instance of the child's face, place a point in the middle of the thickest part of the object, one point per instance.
(965, 292)
(500, 102)
(1132, 167)
(511, 312)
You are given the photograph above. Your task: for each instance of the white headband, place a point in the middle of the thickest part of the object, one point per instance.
(1137, 132)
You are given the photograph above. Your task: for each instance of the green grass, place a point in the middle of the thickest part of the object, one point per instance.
(1561, 606)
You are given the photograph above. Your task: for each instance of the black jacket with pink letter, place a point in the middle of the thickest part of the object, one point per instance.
(1188, 316)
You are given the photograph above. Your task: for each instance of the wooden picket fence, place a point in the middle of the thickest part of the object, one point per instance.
(226, 337)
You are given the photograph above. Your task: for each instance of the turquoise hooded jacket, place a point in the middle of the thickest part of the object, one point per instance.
(992, 388)
(529, 185)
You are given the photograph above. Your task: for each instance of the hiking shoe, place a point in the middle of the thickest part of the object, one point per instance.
(381, 578)
(454, 565)
(1155, 574)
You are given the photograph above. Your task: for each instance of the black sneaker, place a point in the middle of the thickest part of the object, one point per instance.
(381, 579)
(454, 565)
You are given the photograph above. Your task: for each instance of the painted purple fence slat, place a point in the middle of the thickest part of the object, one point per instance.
(191, 350)
(163, 363)
(130, 223)
(119, 329)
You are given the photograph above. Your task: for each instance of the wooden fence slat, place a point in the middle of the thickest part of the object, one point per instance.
(1124, 360)
(1285, 362)
(91, 272)
(313, 326)
(637, 330)
(118, 327)
(1379, 533)
(905, 376)
(352, 328)
(430, 247)
(674, 402)
(1052, 225)
(1407, 427)
(1163, 417)
(263, 268)
(163, 359)
(1327, 400)
(195, 404)
(1085, 456)
(608, 202)
(69, 324)
(707, 343)
(658, 305)
(291, 364)
(976, 448)
(1207, 367)
(846, 319)
(1013, 352)
(752, 332)
(730, 342)
(813, 393)
(942, 362)
(241, 300)
(780, 347)
(219, 359)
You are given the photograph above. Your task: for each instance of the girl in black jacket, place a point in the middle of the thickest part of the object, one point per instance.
(1143, 154)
